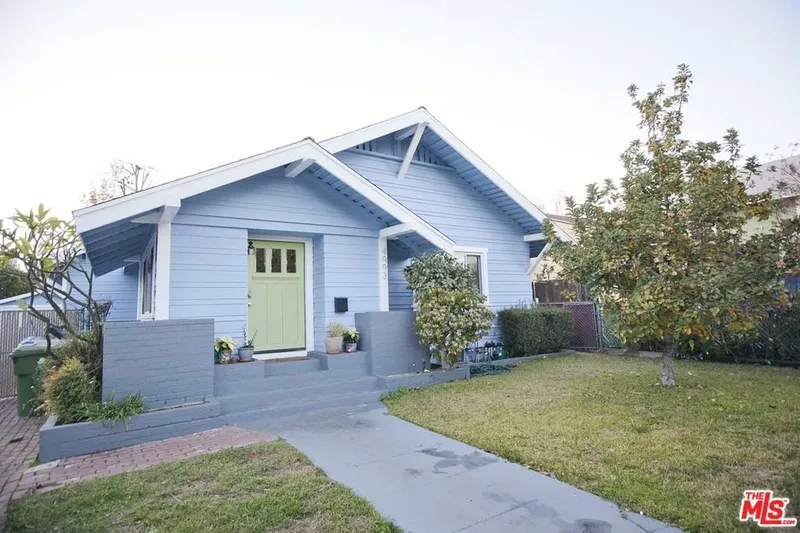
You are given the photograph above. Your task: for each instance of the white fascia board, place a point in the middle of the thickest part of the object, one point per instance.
(171, 193)
(368, 133)
(533, 237)
(298, 167)
(407, 120)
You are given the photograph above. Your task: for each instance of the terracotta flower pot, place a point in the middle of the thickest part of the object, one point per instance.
(333, 345)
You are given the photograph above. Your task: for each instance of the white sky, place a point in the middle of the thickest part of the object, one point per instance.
(536, 88)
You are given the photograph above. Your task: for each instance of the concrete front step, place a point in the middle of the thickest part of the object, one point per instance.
(244, 400)
(289, 409)
(227, 385)
(279, 368)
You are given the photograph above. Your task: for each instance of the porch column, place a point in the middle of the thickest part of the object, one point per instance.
(392, 232)
(163, 261)
(383, 275)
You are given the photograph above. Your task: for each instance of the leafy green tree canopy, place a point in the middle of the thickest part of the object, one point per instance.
(12, 281)
(665, 252)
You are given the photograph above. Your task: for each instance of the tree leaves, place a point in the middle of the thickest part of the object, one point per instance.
(666, 253)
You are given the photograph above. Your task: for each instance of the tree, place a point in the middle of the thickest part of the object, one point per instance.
(451, 314)
(665, 253)
(123, 178)
(12, 281)
(48, 248)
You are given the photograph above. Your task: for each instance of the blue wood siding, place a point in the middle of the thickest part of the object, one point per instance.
(209, 249)
(118, 286)
(350, 271)
(444, 200)
(208, 277)
(400, 297)
(121, 288)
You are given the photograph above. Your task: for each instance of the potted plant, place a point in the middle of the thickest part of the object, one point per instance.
(224, 346)
(351, 337)
(247, 348)
(335, 338)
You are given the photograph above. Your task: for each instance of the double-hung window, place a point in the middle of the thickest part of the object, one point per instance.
(476, 259)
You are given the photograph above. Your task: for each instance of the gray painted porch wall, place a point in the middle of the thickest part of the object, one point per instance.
(169, 361)
(209, 249)
(391, 342)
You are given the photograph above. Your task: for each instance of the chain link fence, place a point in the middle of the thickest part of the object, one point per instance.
(586, 322)
(16, 326)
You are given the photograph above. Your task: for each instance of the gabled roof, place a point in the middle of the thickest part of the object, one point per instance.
(466, 163)
(110, 232)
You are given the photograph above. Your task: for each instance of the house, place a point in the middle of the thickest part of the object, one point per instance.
(283, 243)
(782, 178)
(289, 240)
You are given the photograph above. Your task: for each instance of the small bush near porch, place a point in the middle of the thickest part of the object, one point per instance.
(603, 423)
(265, 487)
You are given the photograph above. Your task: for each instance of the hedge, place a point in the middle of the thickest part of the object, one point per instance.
(535, 330)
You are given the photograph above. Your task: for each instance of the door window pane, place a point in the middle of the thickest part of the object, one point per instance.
(474, 265)
(291, 261)
(261, 260)
(276, 261)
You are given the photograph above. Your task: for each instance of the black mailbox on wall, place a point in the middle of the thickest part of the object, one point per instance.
(340, 305)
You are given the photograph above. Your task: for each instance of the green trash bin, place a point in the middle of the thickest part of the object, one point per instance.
(26, 356)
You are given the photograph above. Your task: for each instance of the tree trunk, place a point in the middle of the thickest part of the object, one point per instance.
(668, 365)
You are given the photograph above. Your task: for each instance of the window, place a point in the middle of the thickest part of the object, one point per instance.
(473, 262)
(477, 262)
(146, 282)
(261, 260)
(276, 261)
(291, 261)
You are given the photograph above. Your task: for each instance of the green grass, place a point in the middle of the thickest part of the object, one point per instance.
(265, 487)
(602, 423)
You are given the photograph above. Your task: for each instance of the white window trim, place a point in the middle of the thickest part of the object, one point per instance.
(461, 252)
(139, 314)
(309, 290)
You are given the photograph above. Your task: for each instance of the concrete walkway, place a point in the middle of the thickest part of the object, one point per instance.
(425, 482)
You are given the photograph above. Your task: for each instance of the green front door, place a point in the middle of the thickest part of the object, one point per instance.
(276, 296)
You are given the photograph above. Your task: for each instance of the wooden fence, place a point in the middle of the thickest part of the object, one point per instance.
(16, 326)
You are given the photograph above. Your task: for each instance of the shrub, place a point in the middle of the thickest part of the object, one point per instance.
(438, 270)
(113, 411)
(449, 321)
(44, 367)
(535, 330)
(68, 391)
(87, 352)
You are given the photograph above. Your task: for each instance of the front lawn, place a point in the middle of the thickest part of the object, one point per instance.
(602, 423)
(265, 487)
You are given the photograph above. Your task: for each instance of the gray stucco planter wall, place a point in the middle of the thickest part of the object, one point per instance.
(391, 342)
(56, 442)
(169, 361)
(424, 379)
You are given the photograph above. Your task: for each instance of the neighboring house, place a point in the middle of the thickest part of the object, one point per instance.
(770, 176)
(782, 177)
(289, 240)
(546, 265)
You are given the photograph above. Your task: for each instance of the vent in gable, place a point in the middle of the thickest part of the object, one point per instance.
(367, 146)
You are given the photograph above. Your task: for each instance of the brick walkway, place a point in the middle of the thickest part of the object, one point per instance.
(19, 445)
(49, 476)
